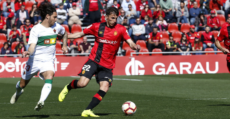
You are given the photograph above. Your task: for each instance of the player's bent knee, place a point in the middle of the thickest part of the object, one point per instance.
(83, 82)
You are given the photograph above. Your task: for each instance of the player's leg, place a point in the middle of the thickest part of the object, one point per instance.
(88, 70)
(28, 72)
(46, 73)
(104, 78)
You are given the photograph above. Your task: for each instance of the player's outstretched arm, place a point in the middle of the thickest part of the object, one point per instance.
(30, 50)
(224, 50)
(76, 35)
(64, 47)
(132, 45)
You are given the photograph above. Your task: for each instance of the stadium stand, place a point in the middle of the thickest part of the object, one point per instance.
(3, 37)
(185, 27)
(156, 50)
(172, 27)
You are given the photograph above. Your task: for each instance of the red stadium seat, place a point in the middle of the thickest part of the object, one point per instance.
(66, 28)
(58, 45)
(125, 46)
(165, 36)
(14, 44)
(142, 44)
(76, 28)
(78, 40)
(200, 33)
(176, 36)
(173, 27)
(215, 33)
(219, 53)
(1, 44)
(157, 50)
(222, 19)
(128, 52)
(209, 49)
(143, 50)
(59, 51)
(185, 28)
(3, 37)
(29, 5)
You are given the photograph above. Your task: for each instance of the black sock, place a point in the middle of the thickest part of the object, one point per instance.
(96, 99)
(72, 85)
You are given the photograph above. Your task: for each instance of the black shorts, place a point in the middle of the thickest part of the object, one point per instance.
(101, 73)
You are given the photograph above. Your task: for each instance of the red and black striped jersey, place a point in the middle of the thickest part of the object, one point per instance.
(107, 42)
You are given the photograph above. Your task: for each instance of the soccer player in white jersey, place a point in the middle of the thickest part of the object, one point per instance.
(42, 41)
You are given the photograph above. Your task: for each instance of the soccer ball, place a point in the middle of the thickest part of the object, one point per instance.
(129, 108)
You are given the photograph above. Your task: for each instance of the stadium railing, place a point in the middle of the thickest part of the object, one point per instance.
(131, 54)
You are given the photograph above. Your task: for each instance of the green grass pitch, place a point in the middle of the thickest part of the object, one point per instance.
(203, 96)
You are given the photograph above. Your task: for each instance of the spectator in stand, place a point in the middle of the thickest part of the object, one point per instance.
(183, 46)
(216, 5)
(85, 46)
(204, 6)
(171, 45)
(149, 26)
(62, 15)
(158, 12)
(45, 1)
(69, 4)
(121, 17)
(8, 7)
(146, 20)
(190, 4)
(26, 27)
(182, 14)
(3, 24)
(197, 46)
(125, 5)
(56, 2)
(167, 7)
(93, 8)
(110, 3)
(208, 39)
(21, 15)
(162, 24)
(140, 5)
(175, 5)
(153, 4)
(227, 8)
(74, 12)
(115, 4)
(144, 12)
(72, 46)
(200, 22)
(6, 49)
(130, 14)
(213, 21)
(19, 49)
(34, 15)
(125, 23)
(138, 31)
(194, 12)
(155, 40)
(190, 36)
(18, 4)
(14, 34)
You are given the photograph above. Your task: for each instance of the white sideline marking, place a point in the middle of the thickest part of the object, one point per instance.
(113, 78)
(209, 99)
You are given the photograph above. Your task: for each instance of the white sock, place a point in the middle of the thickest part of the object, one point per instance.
(18, 88)
(45, 91)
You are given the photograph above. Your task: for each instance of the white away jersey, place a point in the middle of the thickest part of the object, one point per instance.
(45, 40)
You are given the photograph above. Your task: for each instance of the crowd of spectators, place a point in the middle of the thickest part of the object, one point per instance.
(145, 20)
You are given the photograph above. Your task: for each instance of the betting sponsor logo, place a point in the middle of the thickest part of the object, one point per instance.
(107, 41)
(134, 67)
(64, 65)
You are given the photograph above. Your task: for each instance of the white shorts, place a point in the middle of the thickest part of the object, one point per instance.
(33, 67)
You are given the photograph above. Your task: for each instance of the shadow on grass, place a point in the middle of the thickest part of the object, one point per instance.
(220, 105)
(47, 116)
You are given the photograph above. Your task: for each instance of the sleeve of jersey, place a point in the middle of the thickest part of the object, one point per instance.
(89, 30)
(220, 36)
(125, 34)
(33, 38)
(61, 29)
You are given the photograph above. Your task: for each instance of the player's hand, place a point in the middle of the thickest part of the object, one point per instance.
(65, 50)
(225, 51)
(25, 54)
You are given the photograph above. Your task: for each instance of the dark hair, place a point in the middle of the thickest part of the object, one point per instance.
(23, 6)
(18, 1)
(150, 18)
(125, 17)
(114, 0)
(13, 26)
(5, 44)
(27, 19)
(46, 8)
(111, 10)
(33, 7)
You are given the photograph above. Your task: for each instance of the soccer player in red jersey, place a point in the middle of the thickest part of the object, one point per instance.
(101, 62)
(224, 34)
